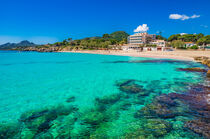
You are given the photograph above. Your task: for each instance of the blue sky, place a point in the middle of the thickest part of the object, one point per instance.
(43, 21)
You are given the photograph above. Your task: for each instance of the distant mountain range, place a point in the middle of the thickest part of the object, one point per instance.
(24, 43)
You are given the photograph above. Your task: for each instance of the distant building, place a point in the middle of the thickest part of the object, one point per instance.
(189, 44)
(131, 47)
(159, 43)
(141, 38)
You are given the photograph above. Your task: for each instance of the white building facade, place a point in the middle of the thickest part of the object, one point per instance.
(140, 38)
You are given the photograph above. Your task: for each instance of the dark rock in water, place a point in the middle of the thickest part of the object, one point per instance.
(9, 131)
(124, 82)
(194, 104)
(44, 135)
(70, 99)
(110, 99)
(33, 116)
(93, 117)
(151, 128)
(155, 110)
(133, 88)
(191, 69)
(44, 126)
(157, 127)
(129, 86)
(199, 127)
(40, 121)
(103, 103)
(159, 61)
(125, 105)
(165, 99)
(196, 98)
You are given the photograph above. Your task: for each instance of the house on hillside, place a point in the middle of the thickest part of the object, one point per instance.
(159, 43)
(189, 44)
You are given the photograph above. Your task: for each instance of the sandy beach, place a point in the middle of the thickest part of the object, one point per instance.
(176, 54)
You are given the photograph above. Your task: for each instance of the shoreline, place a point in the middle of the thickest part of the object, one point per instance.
(185, 55)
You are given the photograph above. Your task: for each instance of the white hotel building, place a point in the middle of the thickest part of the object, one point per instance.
(135, 41)
(140, 38)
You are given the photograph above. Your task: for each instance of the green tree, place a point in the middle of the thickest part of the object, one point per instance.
(159, 37)
(178, 44)
(204, 40)
(198, 36)
(187, 38)
(173, 37)
(106, 36)
(194, 47)
(119, 35)
(69, 39)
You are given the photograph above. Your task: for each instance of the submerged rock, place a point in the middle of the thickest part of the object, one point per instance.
(105, 102)
(110, 99)
(192, 69)
(93, 117)
(8, 131)
(124, 82)
(157, 127)
(165, 99)
(159, 61)
(70, 99)
(133, 88)
(199, 127)
(155, 110)
(150, 128)
(193, 104)
(130, 87)
(35, 123)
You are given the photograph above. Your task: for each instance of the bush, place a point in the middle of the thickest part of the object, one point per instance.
(194, 47)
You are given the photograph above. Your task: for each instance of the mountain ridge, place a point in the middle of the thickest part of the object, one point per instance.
(23, 43)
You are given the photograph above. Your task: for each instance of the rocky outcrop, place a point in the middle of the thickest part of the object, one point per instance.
(208, 74)
(41, 49)
(204, 60)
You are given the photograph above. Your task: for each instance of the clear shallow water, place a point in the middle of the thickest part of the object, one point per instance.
(35, 81)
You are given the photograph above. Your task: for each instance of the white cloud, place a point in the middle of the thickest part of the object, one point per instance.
(182, 17)
(205, 26)
(142, 28)
(183, 33)
(36, 40)
(195, 16)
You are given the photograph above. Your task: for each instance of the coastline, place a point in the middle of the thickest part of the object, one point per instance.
(186, 55)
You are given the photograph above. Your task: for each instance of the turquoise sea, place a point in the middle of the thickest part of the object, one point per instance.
(73, 95)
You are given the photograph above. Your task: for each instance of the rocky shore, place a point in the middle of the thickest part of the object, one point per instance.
(204, 60)
(39, 49)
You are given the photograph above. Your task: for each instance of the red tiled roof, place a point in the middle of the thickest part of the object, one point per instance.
(188, 42)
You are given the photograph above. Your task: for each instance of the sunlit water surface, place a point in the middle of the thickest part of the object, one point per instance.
(36, 81)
